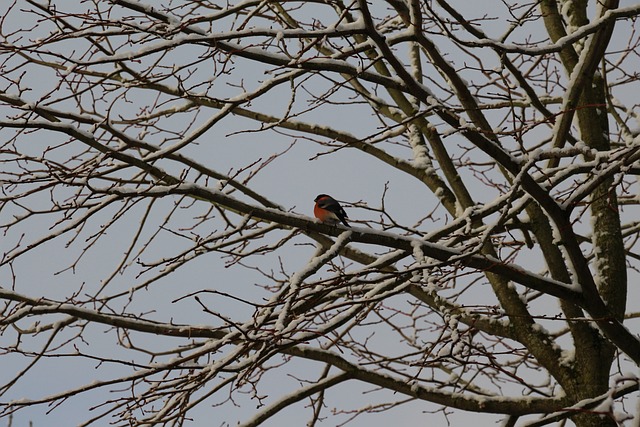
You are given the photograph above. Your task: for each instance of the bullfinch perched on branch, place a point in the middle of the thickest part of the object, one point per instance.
(327, 209)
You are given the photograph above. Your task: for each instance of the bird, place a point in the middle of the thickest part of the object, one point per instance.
(327, 209)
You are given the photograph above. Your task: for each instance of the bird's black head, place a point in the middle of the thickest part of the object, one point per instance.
(320, 196)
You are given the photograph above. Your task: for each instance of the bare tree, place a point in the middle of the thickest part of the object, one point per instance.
(147, 242)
